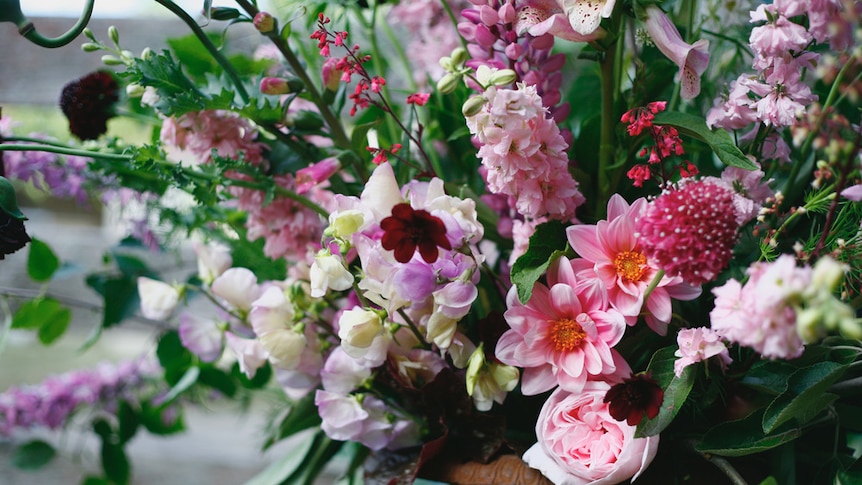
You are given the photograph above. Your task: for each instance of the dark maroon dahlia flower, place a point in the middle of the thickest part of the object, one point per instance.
(408, 229)
(634, 398)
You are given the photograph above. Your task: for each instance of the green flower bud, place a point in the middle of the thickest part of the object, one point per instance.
(503, 77)
(459, 56)
(90, 47)
(264, 22)
(135, 90)
(110, 60)
(146, 54)
(448, 83)
(114, 34)
(473, 106)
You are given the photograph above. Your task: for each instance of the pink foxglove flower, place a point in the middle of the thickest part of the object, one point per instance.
(697, 345)
(540, 17)
(690, 230)
(580, 443)
(611, 251)
(692, 59)
(563, 335)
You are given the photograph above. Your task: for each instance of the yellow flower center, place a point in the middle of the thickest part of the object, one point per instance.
(567, 334)
(630, 265)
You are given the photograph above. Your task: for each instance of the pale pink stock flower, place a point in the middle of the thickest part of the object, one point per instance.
(692, 59)
(762, 314)
(579, 443)
(563, 335)
(611, 251)
(777, 37)
(696, 345)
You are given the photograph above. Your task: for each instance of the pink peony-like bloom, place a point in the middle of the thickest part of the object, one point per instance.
(579, 443)
(690, 230)
(563, 335)
(611, 251)
(692, 59)
(699, 344)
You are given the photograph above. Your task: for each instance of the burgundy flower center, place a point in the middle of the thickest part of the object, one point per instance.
(630, 265)
(567, 334)
(408, 229)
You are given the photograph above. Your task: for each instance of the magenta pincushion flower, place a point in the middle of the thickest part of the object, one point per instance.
(690, 230)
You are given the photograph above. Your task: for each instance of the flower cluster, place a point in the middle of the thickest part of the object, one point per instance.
(479, 268)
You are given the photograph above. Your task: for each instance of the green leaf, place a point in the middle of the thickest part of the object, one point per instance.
(173, 356)
(717, 139)
(301, 416)
(676, 390)
(96, 481)
(218, 380)
(323, 449)
(546, 244)
(33, 455)
(46, 314)
(115, 463)
(285, 467)
(128, 422)
(805, 396)
(41, 261)
(119, 294)
(160, 421)
(745, 436)
(186, 381)
(261, 377)
(769, 376)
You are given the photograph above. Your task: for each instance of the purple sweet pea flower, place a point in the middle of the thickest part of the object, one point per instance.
(692, 59)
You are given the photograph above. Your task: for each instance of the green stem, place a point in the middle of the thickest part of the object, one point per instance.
(653, 284)
(210, 47)
(412, 326)
(608, 136)
(63, 150)
(454, 21)
(29, 139)
(26, 29)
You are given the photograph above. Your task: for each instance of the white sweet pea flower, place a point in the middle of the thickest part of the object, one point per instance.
(381, 192)
(440, 329)
(250, 354)
(271, 318)
(344, 223)
(158, 299)
(237, 286)
(328, 271)
(359, 327)
(488, 382)
(213, 260)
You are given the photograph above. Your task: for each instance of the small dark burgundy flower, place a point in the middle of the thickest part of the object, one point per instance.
(407, 229)
(13, 234)
(88, 104)
(634, 398)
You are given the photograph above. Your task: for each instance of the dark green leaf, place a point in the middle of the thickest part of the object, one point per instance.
(41, 261)
(323, 449)
(261, 377)
(287, 465)
(805, 396)
(128, 422)
(120, 296)
(173, 357)
(717, 139)
(33, 455)
(769, 376)
(96, 481)
(115, 463)
(745, 436)
(301, 416)
(161, 421)
(41, 312)
(676, 390)
(186, 381)
(546, 244)
(55, 328)
(219, 380)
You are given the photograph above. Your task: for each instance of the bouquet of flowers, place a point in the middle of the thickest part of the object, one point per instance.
(588, 241)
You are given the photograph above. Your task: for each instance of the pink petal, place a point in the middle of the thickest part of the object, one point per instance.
(585, 242)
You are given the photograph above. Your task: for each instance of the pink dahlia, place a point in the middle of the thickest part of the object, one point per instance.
(611, 252)
(690, 230)
(563, 335)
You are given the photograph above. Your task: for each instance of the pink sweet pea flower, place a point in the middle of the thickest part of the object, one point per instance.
(692, 59)
(580, 443)
(563, 335)
(611, 252)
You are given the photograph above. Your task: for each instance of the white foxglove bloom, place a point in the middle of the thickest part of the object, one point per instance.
(328, 271)
(158, 299)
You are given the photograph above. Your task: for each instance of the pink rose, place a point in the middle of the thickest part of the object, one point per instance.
(580, 443)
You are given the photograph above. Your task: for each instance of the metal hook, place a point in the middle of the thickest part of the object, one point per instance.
(10, 11)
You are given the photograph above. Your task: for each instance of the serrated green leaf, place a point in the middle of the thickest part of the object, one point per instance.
(41, 261)
(805, 396)
(546, 244)
(33, 455)
(745, 436)
(676, 390)
(717, 139)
